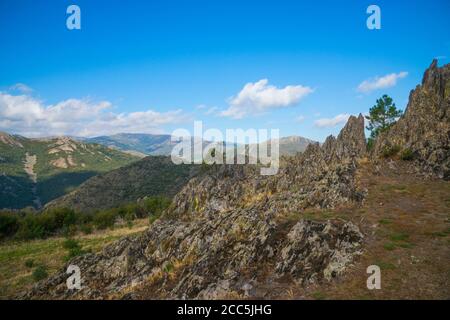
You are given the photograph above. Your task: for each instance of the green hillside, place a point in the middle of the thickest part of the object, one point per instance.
(151, 176)
(36, 171)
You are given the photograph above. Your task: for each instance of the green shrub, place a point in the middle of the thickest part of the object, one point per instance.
(407, 155)
(29, 263)
(73, 248)
(70, 243)
(31, 227)
(40, 273)
(9, 224)
(390, 151)
(34, 225)
(370, 144)
(105, 219)
(154, 206)
(86, 228)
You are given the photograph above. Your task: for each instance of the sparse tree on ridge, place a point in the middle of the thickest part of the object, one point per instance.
(381, 117)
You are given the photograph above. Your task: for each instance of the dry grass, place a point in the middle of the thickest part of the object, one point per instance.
(406, 221)
(15, 276)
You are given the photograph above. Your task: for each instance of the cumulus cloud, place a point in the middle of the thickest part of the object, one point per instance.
(258, 97)
(332, 122)
(376, 83)
(23, 114)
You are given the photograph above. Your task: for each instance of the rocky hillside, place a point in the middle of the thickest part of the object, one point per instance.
(35, 171)
(423, 132)
(153, 175)
(225, 226)
(235, 233)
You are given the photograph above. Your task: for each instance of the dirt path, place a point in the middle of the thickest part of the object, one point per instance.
(30, 162)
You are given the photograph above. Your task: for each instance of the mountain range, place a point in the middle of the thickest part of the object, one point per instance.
(151, 144)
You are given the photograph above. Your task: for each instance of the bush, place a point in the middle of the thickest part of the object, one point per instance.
(70, 244)
(41, 225)
(370, 144)
(407, 155)
(9, 224)
(86, 228)
(156, 205)
(29, 263)
(390, 151)
(31, 227)
(40, 273)
(74, 248)
(105, 219)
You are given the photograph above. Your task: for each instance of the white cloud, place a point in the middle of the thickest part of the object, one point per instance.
(332, 122)
(22, 88)
(376, 83)
(23, 114)
(255, 98)
(211, 111)
(300, 119)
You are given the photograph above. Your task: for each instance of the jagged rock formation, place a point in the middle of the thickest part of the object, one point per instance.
(424, 129)
(227, 232)
(322, 177)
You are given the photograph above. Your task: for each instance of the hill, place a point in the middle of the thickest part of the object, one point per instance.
(153, 175)
(36, 171)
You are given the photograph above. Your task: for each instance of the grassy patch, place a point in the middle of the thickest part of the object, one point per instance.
(318, 295)
(385, 265)
(399, 236)
(406, 245)
(389, 246)
(384, 221)
(16, 276)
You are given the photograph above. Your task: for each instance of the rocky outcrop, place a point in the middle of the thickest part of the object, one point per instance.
(424, 129)
(210, 258)
(227, 232)
(9, 140)
(321, 177)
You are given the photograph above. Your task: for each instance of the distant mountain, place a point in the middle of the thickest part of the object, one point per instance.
(289, 146)
(149, 144)
(293, 144)
(153, 175)
(36, 171)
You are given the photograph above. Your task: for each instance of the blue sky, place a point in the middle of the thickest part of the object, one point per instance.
(154, 66)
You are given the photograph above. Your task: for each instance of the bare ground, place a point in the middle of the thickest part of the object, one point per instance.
(406, 221)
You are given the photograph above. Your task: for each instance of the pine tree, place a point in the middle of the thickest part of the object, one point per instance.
(382, 116)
